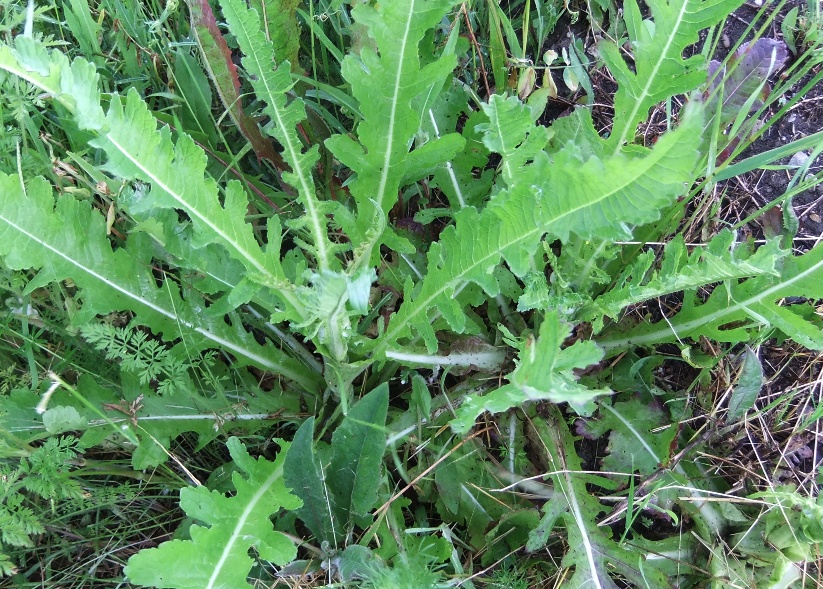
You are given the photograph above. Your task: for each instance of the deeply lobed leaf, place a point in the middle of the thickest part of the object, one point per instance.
(719, 260)
(659, 70)
(271, 85)
(737, 310)
(69, 241)
(394, 92)
(551, 197)
(217, 555)
(137, 150)
(593, 555)
(544, 372)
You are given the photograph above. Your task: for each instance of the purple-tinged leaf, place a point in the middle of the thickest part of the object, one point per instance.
(217, 59)
(745, 75)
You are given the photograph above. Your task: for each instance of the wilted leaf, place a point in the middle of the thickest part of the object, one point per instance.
(748, 386)
(745, 75)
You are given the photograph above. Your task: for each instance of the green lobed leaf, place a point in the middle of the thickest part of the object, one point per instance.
(458, 178)
(271, 85)
(59, 419)
(544, 372)
(69, 241)
(357, 449)
(512, 133)
(460, 495)
(539, 535)
(721, 259)
(592, 554)
(153, 420)
(638, 440)
(217, 554)
(394, 92)
(551, 197)
(73, 84)
(658, 70)
(137, 150)
(735, 311)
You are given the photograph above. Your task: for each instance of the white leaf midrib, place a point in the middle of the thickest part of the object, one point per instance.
(139, 299)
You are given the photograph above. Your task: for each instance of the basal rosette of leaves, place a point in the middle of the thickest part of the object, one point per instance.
(562, 198)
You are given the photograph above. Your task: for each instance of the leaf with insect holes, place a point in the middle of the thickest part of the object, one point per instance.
(218, 553)
(639, 435)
